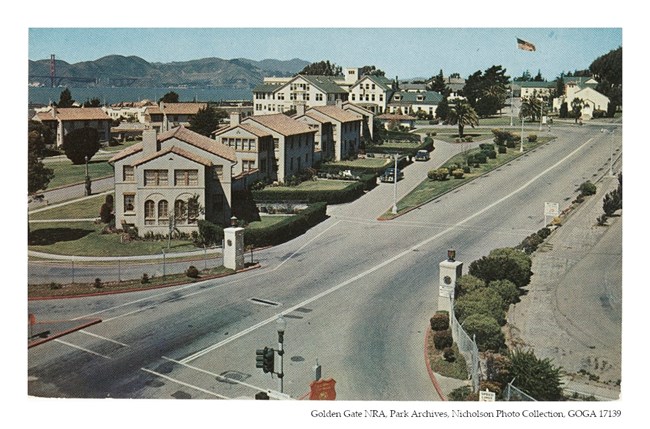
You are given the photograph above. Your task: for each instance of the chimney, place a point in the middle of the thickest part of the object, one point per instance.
(149, 142)
(339, 103)
(235, 118)
(300, 109)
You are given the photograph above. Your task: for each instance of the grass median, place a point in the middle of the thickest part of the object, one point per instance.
(428, 189)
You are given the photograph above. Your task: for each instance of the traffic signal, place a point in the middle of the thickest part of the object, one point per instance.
(264, 359)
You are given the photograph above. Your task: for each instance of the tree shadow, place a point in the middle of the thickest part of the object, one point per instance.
(49, 236)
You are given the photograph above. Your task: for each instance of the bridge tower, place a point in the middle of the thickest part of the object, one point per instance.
(52, 69)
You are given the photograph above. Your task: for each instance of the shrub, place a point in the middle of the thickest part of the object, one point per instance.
(438, 174)
(145, 278)
(490, 154)
(481, 301)
(98, 283)
(502, 149)
(480, 157)
(544, 233)
(504, 263)
(210, 233)
(442, 339)
(440, 321)
(486, 146)
(192, 272)
(55, 286)
(467, 283)
(587, 188)
(467, 169)
(470, 160)
(532, 138)
(458, 173)
(507, 290)
(460, 394)
(486, 330)
(287, 229)
(448, 354)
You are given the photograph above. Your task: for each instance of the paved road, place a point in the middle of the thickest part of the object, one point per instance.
(357, 294)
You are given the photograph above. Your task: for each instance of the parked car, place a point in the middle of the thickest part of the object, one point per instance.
(389, 175)
(422, 155)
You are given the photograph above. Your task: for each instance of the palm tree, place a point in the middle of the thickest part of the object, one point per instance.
(530, 108)
(462, 114)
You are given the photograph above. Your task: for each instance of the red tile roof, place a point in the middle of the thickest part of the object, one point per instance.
(177, 151)
(280, 123)
(82, 114)
(202, 142)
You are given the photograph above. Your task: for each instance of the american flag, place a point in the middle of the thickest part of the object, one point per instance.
(526, 46)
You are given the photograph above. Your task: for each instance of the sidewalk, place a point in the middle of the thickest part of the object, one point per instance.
(571, 313)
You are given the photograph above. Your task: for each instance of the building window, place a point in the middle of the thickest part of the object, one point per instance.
(319, 97)
(180, 210)
(129, 202)
(186, 177)
(149, 212)
(192, 210)
(163, 212)
(276, 144)
(217, 172)
(155, 178)
(248, 165)
(127, 173)
(353, 97)
(252, 144)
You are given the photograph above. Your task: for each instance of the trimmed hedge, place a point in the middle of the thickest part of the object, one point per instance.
(442, 339)
(439, 321)
(287, 229)
(350, 193)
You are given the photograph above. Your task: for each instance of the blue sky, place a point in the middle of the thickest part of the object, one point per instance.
(404, 52)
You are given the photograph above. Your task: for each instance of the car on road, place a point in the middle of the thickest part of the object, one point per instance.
(422, 155)
(389, 175)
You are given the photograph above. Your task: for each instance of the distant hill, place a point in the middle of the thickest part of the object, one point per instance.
(119, 70)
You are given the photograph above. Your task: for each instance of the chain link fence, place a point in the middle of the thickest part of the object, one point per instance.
(120, 269)
(467, 347)
(511, 393)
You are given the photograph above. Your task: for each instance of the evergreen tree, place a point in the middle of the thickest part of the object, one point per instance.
(38, 176)
(170, 97)
(81, 143)
(65, 99)
(538, 378)
(322, 68)
(206, 120)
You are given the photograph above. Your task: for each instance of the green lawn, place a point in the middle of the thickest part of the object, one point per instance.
(86, 238)
(265, 221)
(81, 209)
(65, 173)
(310, 185)
(360, 163)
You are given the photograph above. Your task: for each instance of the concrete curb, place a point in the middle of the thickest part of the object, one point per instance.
(177, 283)
(432, 375)
(66, 332)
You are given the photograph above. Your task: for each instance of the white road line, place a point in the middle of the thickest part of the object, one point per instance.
(183, 383)
(83, 331)
(82, 349)
(218, 376)
(139, 310)
(379, 266)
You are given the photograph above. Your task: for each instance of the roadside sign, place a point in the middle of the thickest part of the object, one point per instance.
(486, 396)
(551, 209)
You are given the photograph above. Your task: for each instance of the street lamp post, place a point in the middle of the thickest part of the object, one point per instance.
(88, 184)
(541, 113)
(512, 104)
(394, 211)
(281, 325)
(521, 144)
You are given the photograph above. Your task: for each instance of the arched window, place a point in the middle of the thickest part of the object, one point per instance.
(180, 212)
(149, 212)
(163, 212)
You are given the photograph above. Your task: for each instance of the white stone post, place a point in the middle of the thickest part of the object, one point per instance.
(233, 247)
(450, 270)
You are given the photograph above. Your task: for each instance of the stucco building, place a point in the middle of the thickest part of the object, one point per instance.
(173, 178)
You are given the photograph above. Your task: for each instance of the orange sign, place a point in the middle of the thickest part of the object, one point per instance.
(32, 319)
(322, 390)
